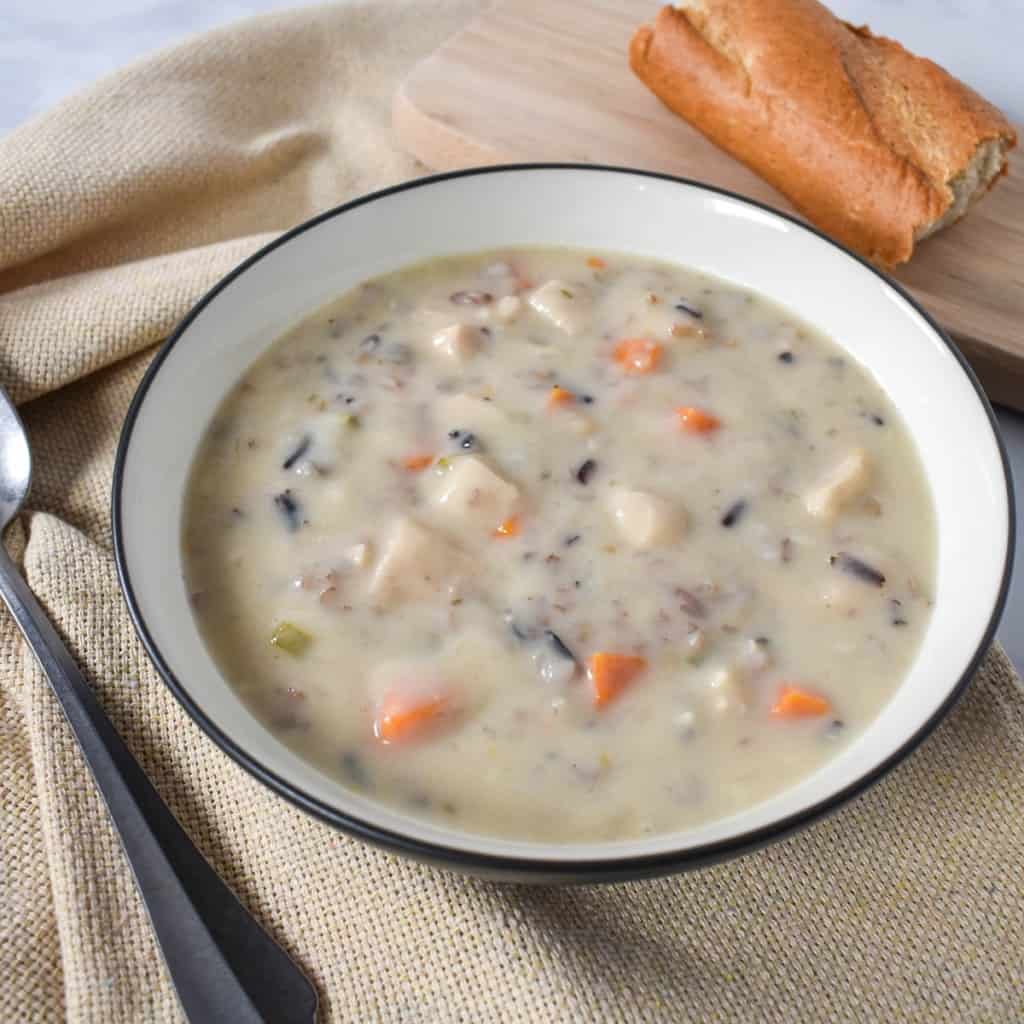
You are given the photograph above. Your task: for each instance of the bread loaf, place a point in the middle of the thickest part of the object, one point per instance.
(876, 146)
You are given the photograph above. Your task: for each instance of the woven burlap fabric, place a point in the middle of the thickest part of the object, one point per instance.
(117, 210)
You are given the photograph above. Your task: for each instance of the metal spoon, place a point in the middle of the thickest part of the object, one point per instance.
(223, 965)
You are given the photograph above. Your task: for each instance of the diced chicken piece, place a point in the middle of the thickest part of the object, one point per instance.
(846, 481)
(458, 341)
(644, 519)
(415, 563)
(472, 496)
(566, 306)
(508, 308)
(725, 692)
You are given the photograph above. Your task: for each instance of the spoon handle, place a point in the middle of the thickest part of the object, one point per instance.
(223, 964)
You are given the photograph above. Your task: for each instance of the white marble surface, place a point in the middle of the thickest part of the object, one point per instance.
(49, 48)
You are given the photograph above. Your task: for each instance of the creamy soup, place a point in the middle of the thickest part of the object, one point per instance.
(560, 545)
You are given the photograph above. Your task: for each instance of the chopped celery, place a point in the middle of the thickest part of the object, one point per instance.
(290, 638)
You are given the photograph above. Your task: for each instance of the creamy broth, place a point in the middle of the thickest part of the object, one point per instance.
(560, 545)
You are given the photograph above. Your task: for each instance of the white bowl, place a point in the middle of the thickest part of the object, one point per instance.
(598, 208)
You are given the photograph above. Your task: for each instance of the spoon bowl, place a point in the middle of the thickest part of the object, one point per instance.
(15, 461)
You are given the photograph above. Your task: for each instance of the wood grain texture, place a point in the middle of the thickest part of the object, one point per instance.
(536, 80)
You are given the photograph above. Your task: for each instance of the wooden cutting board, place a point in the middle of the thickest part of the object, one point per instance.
(549, 80)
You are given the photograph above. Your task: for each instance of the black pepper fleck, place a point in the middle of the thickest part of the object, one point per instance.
(289, 509)
(300, 449)
(734, 513)
(585, 472)
(857, 568)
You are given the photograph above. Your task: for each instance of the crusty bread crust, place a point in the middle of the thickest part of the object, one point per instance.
(866, 140)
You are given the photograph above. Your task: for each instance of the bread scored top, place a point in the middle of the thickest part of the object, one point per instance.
(876, 146)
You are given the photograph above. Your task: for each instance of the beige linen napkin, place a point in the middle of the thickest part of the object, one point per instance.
(117, 209)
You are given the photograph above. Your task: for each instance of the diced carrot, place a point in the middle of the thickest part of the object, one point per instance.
(637, 355)
(794, 702)
(611, 673)
(509, 528)
(401, 717)
(696, 421)
(596, 262)
(417, 463)
(560, 396)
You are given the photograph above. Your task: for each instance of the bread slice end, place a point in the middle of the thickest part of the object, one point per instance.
(985, 166)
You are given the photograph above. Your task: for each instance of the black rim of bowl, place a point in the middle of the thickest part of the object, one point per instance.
(603, 869)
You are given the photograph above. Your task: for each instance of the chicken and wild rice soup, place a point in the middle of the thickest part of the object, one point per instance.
(560, 545)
